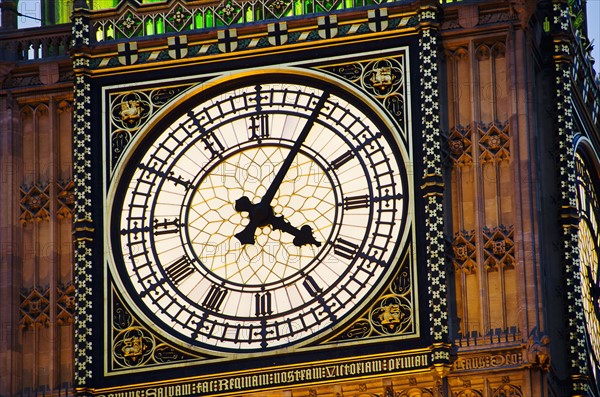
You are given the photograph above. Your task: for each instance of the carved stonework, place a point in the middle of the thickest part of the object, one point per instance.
(537, 351)
(464, 256)
(65, 302)
(415, 392)
(35, 203)
(468, 391)
(498, 248)
(494, 143)
(460, 146)
(507, 390)
(34, 308)
(524, 9)
(66, 199)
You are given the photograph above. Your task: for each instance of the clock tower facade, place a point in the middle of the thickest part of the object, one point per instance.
(304, 198)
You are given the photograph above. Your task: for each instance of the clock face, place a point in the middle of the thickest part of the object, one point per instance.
(259, 213)
(589, 241)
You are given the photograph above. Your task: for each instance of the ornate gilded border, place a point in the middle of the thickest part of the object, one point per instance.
(565, 131)
(432, 186)
(83, 220)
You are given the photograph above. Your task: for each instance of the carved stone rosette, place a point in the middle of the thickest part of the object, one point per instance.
(498, 247)
(35, 203)
(464, 256)
(459, 146)
(494, 143)
(34, 308)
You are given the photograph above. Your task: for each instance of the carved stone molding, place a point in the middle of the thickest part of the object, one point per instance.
(468, 391)
(507, 390)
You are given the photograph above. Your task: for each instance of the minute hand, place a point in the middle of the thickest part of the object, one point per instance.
(287, 163)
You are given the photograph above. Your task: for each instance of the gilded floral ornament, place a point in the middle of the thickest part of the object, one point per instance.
(133, 347)
(278, 7)
(130, 110)
(179, 18)
(383, 79)
(129, 24)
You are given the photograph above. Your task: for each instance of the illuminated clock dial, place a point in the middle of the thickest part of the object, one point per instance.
(589, 242)
(259, 213)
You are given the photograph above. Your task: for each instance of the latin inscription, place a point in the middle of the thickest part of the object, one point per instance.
(313, 373)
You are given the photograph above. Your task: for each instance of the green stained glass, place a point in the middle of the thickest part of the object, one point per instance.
(101, 4)
(198, 21)
(209, 19)
(160, 26)
(149, 27)
(298, 7)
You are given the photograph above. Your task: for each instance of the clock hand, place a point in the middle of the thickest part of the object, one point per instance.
(259, 217)
(287, 163)
(261, 214)
(302, 236)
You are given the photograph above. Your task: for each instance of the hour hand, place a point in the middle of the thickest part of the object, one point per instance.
(262, 215)
(246, 236)
(302, 236)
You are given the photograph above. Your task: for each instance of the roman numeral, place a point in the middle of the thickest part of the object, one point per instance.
(345, 248)
(215, 297)
(180, 270)
(341, 160)
(213, 145)
(210, 141)
(311, 286)
(263, 304)
(259, 128)
(351, 203)
(166, 226)
(177, 180)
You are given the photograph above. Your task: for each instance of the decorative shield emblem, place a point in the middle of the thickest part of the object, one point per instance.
(328, 26)
(227, 40)
(127, 53)
(277, 33)
(178, 47)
